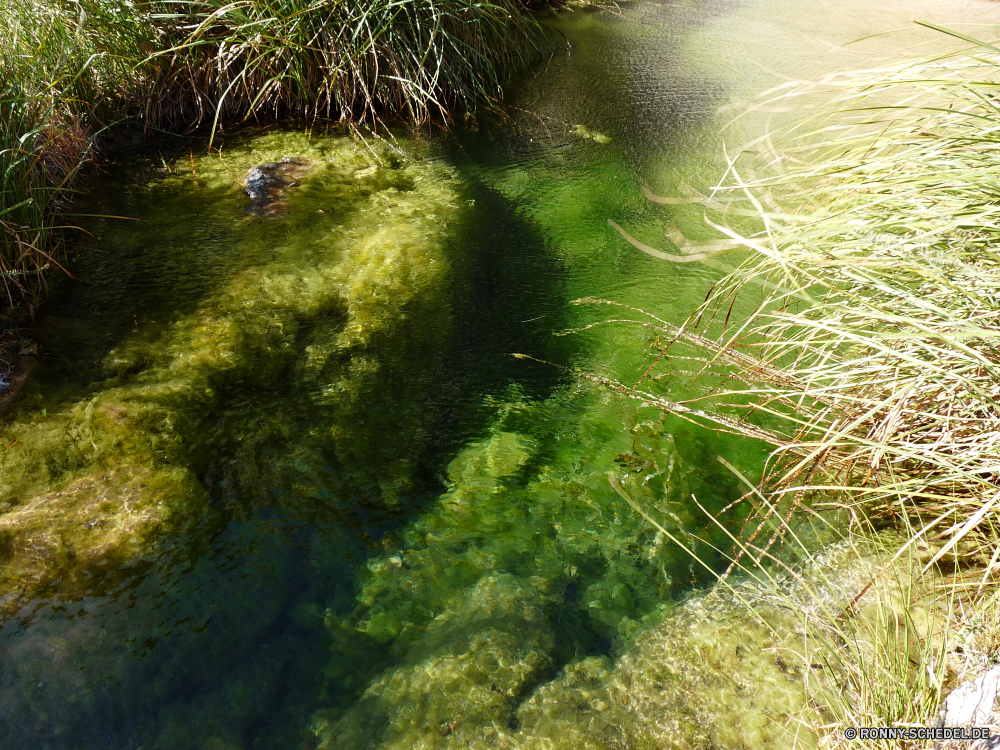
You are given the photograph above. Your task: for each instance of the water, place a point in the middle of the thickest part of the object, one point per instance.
(281, 482)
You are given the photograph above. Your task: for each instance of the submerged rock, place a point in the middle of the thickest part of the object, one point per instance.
(266, 183)
(532, 515)
(582, 131)
(96, 524)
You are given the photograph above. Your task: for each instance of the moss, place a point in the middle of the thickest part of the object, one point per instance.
(541, 507)
(103, 522)
(467, 670)
(728, 667)
(312, 314)
(529, 507)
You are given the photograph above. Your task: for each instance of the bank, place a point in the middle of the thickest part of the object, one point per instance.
(79, 78)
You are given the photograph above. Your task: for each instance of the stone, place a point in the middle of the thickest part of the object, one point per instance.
(971, 703)
(266, 183)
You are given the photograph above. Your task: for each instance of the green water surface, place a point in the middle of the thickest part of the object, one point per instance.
(282, 482)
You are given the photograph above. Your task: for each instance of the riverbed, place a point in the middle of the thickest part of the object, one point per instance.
(337, 476)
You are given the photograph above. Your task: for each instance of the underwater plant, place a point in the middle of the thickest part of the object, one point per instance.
(332, 307)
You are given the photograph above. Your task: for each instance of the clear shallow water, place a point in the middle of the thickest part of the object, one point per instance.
(351, 517)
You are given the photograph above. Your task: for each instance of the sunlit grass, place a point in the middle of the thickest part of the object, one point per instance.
(870, 356)
(873, 345)
(868, 639)
(875, 338)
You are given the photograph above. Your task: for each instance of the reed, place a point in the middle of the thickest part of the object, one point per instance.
(355, 60)
(66, 71)
(36, 156)
(871, 355)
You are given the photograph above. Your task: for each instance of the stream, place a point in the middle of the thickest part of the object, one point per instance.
(333, 475)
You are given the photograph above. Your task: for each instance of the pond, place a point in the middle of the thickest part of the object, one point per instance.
(332, 474)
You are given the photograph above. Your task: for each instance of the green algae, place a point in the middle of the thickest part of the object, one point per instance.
(755, 664)
(284, 376)
(555, 523)
(470, 666)
(102, 521)
(529, 607)
(527, 561)
(314, 314)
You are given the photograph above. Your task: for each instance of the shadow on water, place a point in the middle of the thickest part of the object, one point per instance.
(193, 649)
(508, 297)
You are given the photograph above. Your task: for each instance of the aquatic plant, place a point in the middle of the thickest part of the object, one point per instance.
(755, 662)
(529, 561)
(870, 355)
(333, 306)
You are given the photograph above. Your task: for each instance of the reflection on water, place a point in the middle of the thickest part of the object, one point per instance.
(281, 483)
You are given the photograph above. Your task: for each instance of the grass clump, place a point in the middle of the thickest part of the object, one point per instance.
(870, 355)
(67, 71)
(874, 339)
(356, 60)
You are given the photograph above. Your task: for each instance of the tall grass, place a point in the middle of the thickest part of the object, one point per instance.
(351, 59)
(871, 355)
(884, 657)
(873, 348)
(66, 71)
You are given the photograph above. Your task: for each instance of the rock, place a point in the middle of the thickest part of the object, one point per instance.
(266, 183)
(13, 380)
(582, 131)
(971, 703)
(107, 518)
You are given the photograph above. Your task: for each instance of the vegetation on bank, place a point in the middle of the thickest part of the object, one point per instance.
(74, 73)
(871, 356)
(874, 340)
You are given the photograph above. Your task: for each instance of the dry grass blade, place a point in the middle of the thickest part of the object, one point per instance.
(873, 348)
